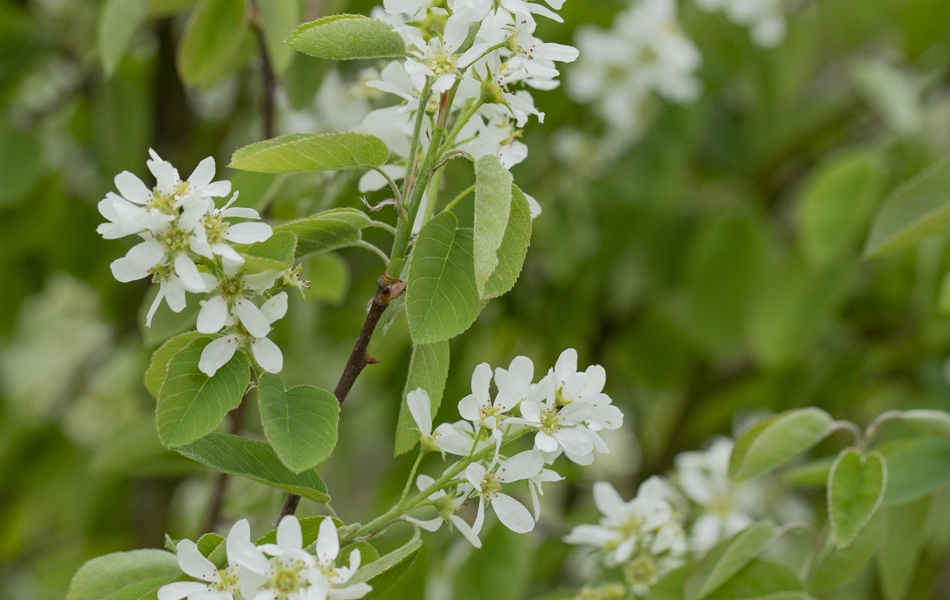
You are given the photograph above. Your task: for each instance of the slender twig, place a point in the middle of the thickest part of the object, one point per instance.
(392, 185)
(269, 80)
(387, 289)
(221, 482)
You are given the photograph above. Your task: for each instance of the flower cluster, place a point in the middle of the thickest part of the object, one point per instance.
(281, 571)
(764, 18)
(187, 247)
(563, 411)
(472, 54)
(644, 52)
(644, 535)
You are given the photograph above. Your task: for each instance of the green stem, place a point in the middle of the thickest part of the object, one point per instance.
(448, 478)
(412, 476)
(417, 186)
(392, 185)
(460, 197)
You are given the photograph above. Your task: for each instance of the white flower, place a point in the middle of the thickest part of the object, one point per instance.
(267, 354)
(478, 407)
(560, 428)
(218, 584)
(725, 505)
(630, 528)
(488, 483)
(447, 506)
(446, 437)
(765, 18)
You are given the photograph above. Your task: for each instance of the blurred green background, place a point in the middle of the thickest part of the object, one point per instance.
(714, 268)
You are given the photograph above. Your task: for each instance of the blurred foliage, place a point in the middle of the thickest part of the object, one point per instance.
(714, 269)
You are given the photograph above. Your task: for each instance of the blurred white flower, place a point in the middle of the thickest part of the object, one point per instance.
(764, 18)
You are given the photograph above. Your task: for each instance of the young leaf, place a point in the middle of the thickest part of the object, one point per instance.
(279, 18)
(311, 152)
(347, 37)
(300, 423)
(917, 210)
(118, 22)
(896, 559)
(108, 574)
(837, 206)
(428, 369)
(275, 253)
(441, 296)
(212, 37)
(918, 470)
(761, 580)
(492, 207)
(325, 231)
(386, 570)
(191, 404)
(247, 458)
(856, 487)
(158, 367)
(514, 247)
(772, 442)
(670, 587)
(833, 566)
(726, 559)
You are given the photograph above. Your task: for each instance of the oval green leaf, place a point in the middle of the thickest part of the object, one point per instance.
(896, 559)
(442, 299)
(275, 253)
(254, 460)
(856, 487)
(347, 37)
(297, 152)
(105, 575)
(726, 559)
(158, 367)
(212, 37)
(118, 22)
(772, 442)
(191, 404)
(492, 209)
(915, 211)
(329, 230)
(514, 247)
(761, 580)
(300, 423)
(918, 470)
(833, 566)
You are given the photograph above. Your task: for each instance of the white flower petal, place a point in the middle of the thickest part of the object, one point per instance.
(512, 513)
(350, 592)
(608, 501)
(289, 535)
(275, 308)
(251, 317)
(429, 525)
(213, 315)
(328, 543)
(465, 530)
(132, 188)
(267, 354)
(203, 173)
(217, 354)
(475, 472)
(188, 273)
(420, 407)
(193, 563)
(180, 590)
(125, 270)
(248, 233)
(520, 466)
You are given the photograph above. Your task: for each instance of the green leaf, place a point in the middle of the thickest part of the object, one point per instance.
(118, 22)
(772, 442)
(761, 580)
(833, 566)
(900, 549)
(386, 570)
(208, 543)
(492, 207)
(918, 470)
(329, 230)
(275, 253)
(133, 448)
(943, 302)
(428, 369)
(514, 247)
(254, 460)
(837, 206)
(105, 575)
(141, 589)
(191, 404)
(300, 423)
(856, 487)
(814, 473)
(279, 18)
(158, 367)
(726, 559)
(933, 422)
(670, 587)
(311, 152)
(212, 38)
(917, 210)
(442, 299)
(347, 37)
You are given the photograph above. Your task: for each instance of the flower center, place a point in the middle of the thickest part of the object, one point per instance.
(487, 411)
(229, 581)
(642, 571)
(175, 240)
(230, 287)
(162, 203)
(286, 580)
(490, 485)
(549, 421)
(215, 228)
